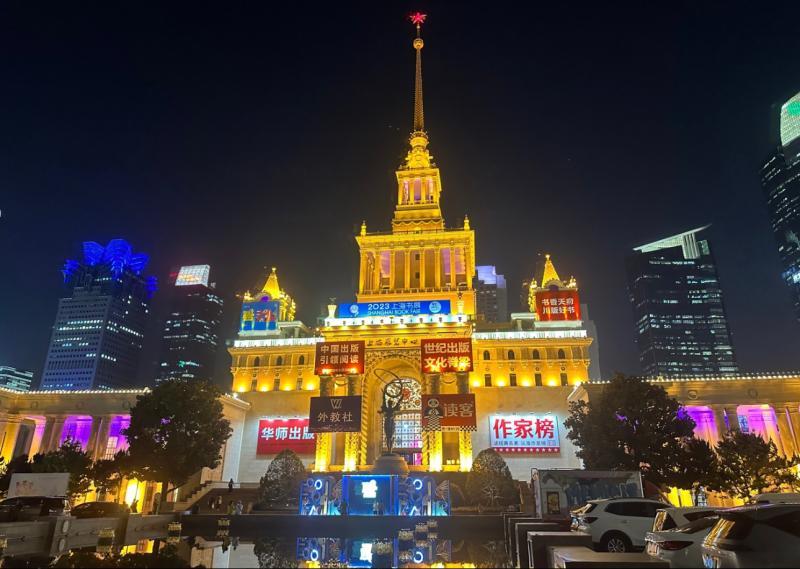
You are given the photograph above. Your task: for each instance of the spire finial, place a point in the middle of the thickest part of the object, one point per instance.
(419, 114)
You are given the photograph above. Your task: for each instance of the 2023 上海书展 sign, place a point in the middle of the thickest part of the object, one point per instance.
(405, 308)
(335, 414)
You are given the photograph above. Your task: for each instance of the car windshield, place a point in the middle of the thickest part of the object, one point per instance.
(698, 525)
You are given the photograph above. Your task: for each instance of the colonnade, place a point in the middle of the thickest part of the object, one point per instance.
(404, 267)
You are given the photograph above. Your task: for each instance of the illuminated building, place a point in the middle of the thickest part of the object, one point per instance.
(97, 337)
(16, 379)
(191, 331)
(681, 326)
(417, 282)
(780, 179)
(491, 295)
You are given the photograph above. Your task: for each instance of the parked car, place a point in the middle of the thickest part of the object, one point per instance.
(765, 535)
(617, 524)
(23, 508)
(100, 510)
(671, 518)
(777, 498)
(681, 546)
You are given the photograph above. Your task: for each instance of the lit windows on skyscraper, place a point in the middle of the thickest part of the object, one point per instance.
(681, 326)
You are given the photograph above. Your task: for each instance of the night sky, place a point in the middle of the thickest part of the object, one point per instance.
(260, 135)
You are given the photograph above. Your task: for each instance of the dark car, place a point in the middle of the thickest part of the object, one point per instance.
(31, 507)
(100, 510)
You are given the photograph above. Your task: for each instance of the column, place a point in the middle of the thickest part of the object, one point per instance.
(13, 424)
(422, 283)
(464, 437)
(432, 440)
(91, 446)
(407, 267)
(785, 432)
(453, 268)
(102, 437)
(794, 424)
(352, 441)
(44, 444)
(322, 455)
(392, 265)
(362, 272)
(437, 267)
(376, 270)
(54, 441)
(36, 439)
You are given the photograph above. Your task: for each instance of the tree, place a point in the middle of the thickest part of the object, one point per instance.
(175, 430)
(275, 552)
(107, 474)
(489, 483)
(280, 485)
(698, 466)
(631, 425)
(71, 458)
(749, 464)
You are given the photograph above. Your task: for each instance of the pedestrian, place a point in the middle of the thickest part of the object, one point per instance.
(230, 486)
(219, 503)
(212, 504)
(135, 506)
(156, 502)
(230, 507)
(239, 508)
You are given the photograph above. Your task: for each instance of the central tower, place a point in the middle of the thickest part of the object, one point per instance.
(420, 259)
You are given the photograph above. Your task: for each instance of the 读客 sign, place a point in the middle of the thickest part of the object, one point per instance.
(450, 412)
(524, 433)
(406, 308)
(558, 305)
(451, 354)
(336, 358)
(335, 414)
(275, 435)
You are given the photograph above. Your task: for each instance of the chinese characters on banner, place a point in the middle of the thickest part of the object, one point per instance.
(260, 315)
(366, 309)
(442, 356)
(275, 435)
(524, 433)
(335, 414)
(558, 305)
(448, 412)
(337, 358)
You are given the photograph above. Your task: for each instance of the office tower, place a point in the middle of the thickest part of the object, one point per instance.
(16, 379)
(681, 327)
(491, 295)
(191, 331)
(780, 179)
(97, 337)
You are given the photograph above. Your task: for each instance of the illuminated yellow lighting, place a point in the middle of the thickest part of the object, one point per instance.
(501, 383)
(310, 386)
(131, 491)
(526, 382)
(263, 388)
(476, 383)
(241, 389)
(552, 382)
(287, 387)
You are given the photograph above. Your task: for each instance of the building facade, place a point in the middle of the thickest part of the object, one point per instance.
(780, 180)
(96, 342)
(16, 379)
(416, 284)
(491, 295)
(190, 338)
(680, 321)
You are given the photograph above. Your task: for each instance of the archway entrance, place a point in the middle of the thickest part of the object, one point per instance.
(408, 423)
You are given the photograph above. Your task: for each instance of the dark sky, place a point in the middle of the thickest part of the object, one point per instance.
(254, 135)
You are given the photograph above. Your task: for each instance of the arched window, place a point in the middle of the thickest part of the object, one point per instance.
(486, 355)
(279, 361)
(535, 355)
(302, 360)
(257, 361)
(561, 354)
(511, 354)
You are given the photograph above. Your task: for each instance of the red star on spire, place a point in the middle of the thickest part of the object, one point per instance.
(417, 18)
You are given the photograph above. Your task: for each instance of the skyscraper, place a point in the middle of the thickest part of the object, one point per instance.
(491, 295)
(16, 379)
(191, 331)
(780, 179)
(97, 337)
(681, 327)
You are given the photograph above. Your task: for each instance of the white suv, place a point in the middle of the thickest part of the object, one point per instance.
(617, 524)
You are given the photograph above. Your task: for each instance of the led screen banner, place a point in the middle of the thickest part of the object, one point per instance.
(524, 433)
(338, 358)
(449, 355)
(275, 435)
(451, 412)
(260, 315)
(364, 309)
(558, 305)
(335, 414)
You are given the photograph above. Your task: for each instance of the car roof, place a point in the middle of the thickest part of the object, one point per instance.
(760, 511)
(688, 509)
(621, 498)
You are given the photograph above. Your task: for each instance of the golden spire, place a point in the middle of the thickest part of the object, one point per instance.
(271, 287)
(418, 156)
(550, 273)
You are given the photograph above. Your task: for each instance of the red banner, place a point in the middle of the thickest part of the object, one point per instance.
(558, 305)
(452, 412)
(275, 435)
(441, 356)
(339, 358)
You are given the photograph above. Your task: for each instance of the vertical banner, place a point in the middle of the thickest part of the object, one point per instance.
(339, 358)
(451, 412)
(448, 355)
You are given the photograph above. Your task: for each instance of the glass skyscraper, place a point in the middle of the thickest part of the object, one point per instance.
(491, 294)
(681, 326)
(191, 331)
(97, 337)
(16, 379)
(780, 179)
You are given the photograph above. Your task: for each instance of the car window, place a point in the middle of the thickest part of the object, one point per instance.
(731, 528)
(698, 525)
(617, 508)
(650, 509)
(789, 523)
(30, 501)
(663, 521)
(692, 516)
